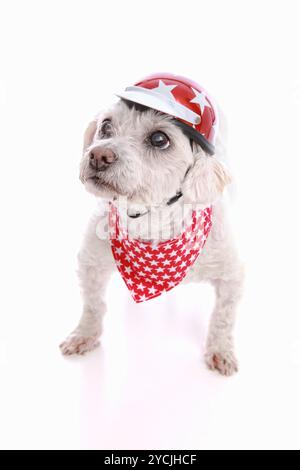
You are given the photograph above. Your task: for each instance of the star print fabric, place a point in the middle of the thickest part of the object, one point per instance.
(148, 268)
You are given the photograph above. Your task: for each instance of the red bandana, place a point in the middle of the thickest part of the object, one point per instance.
(150, 269)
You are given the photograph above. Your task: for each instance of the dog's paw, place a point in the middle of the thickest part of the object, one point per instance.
(76, 344)
(223, 362)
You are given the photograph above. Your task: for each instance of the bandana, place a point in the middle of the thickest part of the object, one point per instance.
(150, 269)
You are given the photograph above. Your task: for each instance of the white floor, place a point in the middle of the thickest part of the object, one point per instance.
(147, 386)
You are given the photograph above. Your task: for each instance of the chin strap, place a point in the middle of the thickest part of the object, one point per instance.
(171, 201)
(174, 198)
(168, 203)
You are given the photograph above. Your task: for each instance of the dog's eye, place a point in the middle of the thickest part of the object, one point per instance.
(159, 139)
(106, 128)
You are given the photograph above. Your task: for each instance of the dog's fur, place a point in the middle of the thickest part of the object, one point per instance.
(149, 177)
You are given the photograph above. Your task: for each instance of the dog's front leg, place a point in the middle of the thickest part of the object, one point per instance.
(220, 354)
(95, 268)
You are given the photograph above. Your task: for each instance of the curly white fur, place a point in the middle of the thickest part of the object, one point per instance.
(147, 178)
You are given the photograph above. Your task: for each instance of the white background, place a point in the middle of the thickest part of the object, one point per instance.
(147, 386)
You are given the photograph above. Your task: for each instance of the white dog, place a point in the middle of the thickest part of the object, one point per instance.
(144, 156)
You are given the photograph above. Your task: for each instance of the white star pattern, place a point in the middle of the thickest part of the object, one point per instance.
(150, 269)
(165, 90)
(171, 284)
(141, 287)
(200, 99)
(153, 263)
(167, 246)
(152, 290)
(154, 246)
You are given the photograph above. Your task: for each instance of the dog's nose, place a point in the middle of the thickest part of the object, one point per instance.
(100, 158)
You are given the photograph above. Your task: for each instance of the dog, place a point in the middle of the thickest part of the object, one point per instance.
(139, 154)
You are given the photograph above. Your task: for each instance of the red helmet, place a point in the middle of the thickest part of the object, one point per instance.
(181, 98)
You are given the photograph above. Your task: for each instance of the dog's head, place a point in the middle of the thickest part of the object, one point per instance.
(143, 155)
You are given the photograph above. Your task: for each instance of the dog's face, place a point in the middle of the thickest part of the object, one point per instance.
(145, 157)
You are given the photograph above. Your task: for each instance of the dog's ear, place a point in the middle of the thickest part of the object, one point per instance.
(89, 134)
(205, 181)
